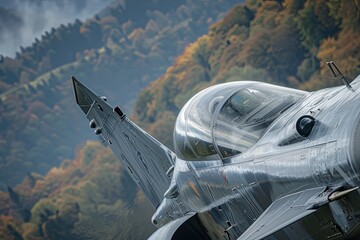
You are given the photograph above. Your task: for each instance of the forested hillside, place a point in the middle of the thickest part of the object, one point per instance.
(125, 46)
(282, 42)
(91, 197)
(23, 20)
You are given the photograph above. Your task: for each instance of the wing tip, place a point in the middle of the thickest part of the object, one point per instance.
(83, 95)
(76, 84)
(74, 80)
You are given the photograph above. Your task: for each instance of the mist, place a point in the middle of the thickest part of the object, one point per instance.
(21, 21)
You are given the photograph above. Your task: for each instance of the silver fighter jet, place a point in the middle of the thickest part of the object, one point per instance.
(252, 161)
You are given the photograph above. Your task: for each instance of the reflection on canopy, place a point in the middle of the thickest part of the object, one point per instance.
(227, 119)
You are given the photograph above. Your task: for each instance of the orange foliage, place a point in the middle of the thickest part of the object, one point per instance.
(345, 51)
(272, 49)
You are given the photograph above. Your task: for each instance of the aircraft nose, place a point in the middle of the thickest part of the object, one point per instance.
(160, 217)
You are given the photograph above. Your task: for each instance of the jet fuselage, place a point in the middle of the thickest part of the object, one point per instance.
(230, 194)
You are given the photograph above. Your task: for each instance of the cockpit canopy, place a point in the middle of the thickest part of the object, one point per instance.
(227, 119)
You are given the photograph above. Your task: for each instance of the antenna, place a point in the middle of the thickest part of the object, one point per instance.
(332, 65)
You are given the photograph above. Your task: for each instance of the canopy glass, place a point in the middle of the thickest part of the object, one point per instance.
(227, 119)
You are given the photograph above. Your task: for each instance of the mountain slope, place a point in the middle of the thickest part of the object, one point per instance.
(282, 42)
(90, 197)
(255, 41)
(124, 47)
(23, 20)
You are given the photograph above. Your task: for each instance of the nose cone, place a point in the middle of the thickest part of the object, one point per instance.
(160, 217)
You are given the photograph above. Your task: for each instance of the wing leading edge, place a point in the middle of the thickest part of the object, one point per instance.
(292, 208)
(146, 159)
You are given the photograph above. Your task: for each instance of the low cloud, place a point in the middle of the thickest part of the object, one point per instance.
(24, 20)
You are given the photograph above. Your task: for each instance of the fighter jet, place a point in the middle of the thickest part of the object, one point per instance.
(252, 161)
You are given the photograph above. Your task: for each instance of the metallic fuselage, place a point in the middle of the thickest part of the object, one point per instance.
(230, 194)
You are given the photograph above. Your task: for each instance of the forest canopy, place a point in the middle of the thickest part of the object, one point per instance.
(282, 42)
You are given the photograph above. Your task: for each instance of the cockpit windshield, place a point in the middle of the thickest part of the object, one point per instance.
(193, 131)
(227, 119)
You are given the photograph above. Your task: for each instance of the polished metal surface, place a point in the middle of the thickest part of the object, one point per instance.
(253, 161)
(227, 119)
